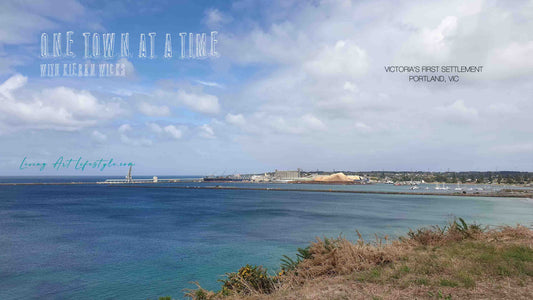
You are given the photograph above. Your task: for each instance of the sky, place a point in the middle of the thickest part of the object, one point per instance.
(295, 84)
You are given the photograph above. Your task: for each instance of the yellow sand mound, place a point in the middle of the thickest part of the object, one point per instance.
(336, 177)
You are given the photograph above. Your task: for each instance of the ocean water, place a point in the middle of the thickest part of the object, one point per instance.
(100, 242)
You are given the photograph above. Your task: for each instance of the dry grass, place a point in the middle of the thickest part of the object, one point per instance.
(456, 262)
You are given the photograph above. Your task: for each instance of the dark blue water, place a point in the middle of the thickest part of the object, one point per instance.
(99, 242)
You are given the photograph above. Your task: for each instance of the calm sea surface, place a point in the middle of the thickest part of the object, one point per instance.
(100, 242)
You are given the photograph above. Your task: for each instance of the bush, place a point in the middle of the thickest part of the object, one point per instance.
(459, 257)
(247, 280)
(457, 230)
(288, 264)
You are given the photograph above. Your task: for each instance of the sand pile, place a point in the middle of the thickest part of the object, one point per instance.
(334, 177)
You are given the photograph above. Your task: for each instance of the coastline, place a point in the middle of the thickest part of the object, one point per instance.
(459, 260)
(527, 195)
(505, 193)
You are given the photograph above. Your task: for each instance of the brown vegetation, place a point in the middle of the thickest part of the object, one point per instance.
(455, 262)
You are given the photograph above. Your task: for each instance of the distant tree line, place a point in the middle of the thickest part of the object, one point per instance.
(500, 177)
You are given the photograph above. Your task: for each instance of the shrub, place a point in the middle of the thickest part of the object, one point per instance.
(288, 264)
(456, 230)
(457, 256)
(249, 279)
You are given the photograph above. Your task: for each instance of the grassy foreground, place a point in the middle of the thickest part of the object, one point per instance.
(458, 261)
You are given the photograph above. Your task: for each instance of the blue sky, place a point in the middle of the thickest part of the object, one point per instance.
(297, 84)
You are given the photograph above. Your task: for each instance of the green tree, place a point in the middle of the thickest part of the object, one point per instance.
(454, 178)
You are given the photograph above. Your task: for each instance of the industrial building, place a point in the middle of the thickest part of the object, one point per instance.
(287, 175)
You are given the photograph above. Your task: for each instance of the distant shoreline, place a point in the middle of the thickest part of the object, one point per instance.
(514, 194)
(508, 193)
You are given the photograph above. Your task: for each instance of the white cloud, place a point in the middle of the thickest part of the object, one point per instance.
(78, 103)
(178, 94)
(436, 40)
(210, 83)
(153, 110)
(207, 131)
(431, 44)
(514, 148)
(265, 46)
(512, 60)
(132, 141)
(214, 18)
(135, 141)
(124, 128)
(471, 7)
(262, 124)
(310, 76)
(130, 69)
(458, 111)
(348, 86)
(173, 131)
(39, 16)
(325, 83)
(343, 59)
(59, 108)
(11, 84)
(237, 119)
(362, 127)
(503, 109)
(311, 122)
(98, 136)
(155, 127)
(199, 101)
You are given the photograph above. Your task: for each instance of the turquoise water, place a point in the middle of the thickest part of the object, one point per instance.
(99, 242)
